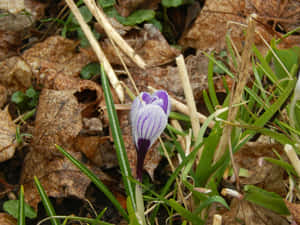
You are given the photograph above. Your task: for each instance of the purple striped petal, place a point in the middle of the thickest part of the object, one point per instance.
(150, 122)
(165, 102)
(149, 117)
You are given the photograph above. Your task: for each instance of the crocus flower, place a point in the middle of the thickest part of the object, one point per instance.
(149, 117)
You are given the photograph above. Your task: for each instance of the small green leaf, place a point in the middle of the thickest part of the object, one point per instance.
(269, 200)
(209, 201)
(86, 14)
(139, 16)
(83, 40)
(18, 97)
(90, 70)
(106, 3)
(175, 3)
(288, 58)
(11, 207)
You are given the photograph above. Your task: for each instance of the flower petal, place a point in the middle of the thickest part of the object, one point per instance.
(165, 103)
(150, 122)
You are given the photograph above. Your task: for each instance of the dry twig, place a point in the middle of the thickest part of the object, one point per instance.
(113, 34)
(97, 49)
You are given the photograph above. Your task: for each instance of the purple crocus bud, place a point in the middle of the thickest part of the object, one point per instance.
(149, 117)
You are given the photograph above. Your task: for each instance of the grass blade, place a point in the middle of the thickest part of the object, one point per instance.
(118, 139)
(95, 180)
(21, 207)
(46, 202)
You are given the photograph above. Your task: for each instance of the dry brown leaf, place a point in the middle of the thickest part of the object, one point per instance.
(294, 210)
(149, 43)
(56, 55)
(7, 136)
(267, 175)
(244, 212)
(120, 28)
(9, 41)
(210, 28)
(59, 176)
(126, 7)
(6, 219)
(215, 21)
(21, 14)
(16, 75)
(3, 95)
(98, 150)
(58, 121)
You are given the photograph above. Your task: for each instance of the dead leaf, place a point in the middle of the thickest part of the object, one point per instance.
(3, 95)
(294, 210)
(59, 176)
(126, 7)
(7, 219)
(98, 150)
(9, 42)
(120, 28)
(15, 74)
(56, 55)
(244, 212)
(267, 175)
(149, 43)
(58, 121)
(210, 28)
(7, 136)
(21, 14)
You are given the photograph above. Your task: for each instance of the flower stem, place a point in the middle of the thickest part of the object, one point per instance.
(139, 205)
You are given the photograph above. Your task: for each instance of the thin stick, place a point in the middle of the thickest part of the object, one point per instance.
(292, 155)
(180, 107)
(242, 80)
(188, 92)
(113, 34)
(97, 49)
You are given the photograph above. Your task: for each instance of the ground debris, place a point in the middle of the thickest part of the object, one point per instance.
(7, 136)
(7, 219)
(16, 74)
(56, 55)
(21, 14)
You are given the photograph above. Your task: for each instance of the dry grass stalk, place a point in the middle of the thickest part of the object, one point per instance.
(292, 155)
(188, 92)
(97, 49)
(180, 107)
(217, 219)
(242, 79)
(113, 34)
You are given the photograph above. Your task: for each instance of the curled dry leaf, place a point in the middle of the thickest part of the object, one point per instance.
(9, 42)
(7, 136)
(149, 43)
(294, 210)
(7, 219)
(15, 74)
(56, 55)
(21, 14)
(58, 121)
